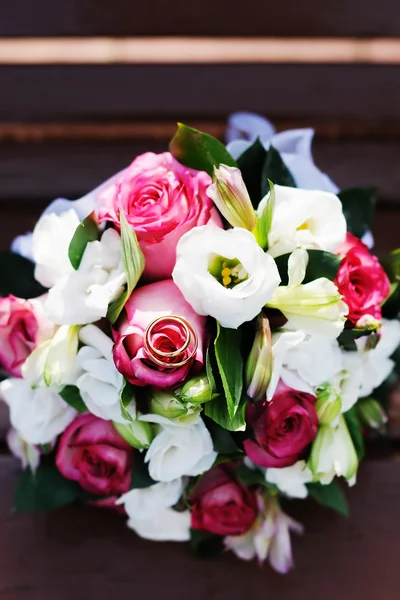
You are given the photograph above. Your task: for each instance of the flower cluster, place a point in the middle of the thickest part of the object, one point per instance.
(206, 337)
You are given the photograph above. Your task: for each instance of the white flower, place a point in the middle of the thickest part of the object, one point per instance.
(150, 513)
(180, 448)
(269, 537)
(38, 414)
(293, 145)
(304, 219)
(291, 480)
(224, 274)
(98, 381)
(333, 454)
(83, 295)
(229, 194)
(50, 242)
(316, 308)
(28, 454)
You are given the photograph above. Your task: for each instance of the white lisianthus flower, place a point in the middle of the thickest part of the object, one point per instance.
(180, 448)
(304, 219)
(315, 308)
(83, 296)
(269, 537)
(291, 480)
(224, 274)
(28, 454)
(98, 381)
(50, 242)
(333, 454)
(39, 414)
(150, 513)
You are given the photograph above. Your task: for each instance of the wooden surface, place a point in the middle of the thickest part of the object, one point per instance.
(83, 553)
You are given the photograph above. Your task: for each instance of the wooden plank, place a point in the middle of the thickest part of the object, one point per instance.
(98, 17)
(48, 93)
(30, 171)
(336, 556)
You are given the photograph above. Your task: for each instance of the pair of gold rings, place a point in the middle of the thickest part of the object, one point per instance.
(158, 356)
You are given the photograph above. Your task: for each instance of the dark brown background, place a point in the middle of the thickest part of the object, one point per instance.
(64, 129)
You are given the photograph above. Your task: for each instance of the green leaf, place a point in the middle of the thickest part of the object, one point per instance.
(330, 495)
(264, 222)
(199, 150)
(86, 232)
(209, 371)
(275, 170)
(72, 396)
(126, 396)
(348, 337)
(320, 264)
(216, 410)
(230, 366)
(133, 263)
(251, 164)
(391, 264)
(140, 473)
(46, 489)
(358, 208)
(251, 477)
(354, 426)
(17, 277)
(205, 544)
(222, 439)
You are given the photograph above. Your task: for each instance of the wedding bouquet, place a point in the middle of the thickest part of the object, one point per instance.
(198, 341)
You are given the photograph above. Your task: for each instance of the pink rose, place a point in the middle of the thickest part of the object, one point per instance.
(23, 326)
(138, 356)
(361, 280)
(162, 200)
(282, 428)
(92, 452)
(221, 504)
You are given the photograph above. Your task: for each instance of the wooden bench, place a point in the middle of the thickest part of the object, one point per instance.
(71, 115)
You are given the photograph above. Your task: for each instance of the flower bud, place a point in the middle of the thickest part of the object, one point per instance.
(229, 194)
(197, 390)
(166, 404)
(259, 365)
(371, 413)
(328, 404)
(138, 434)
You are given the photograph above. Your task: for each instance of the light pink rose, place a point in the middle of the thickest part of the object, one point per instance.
(162, 200)
(23, 326)
(160, 299)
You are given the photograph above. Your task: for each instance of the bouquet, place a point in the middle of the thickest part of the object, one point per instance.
(199, 341)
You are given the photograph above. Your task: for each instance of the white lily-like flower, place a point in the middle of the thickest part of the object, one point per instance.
(304, 219)
(224, 274)
(315, 308)
(28, 453)
(98, 380)
(83, 296)
(333, 454)
(291, 480)
(269, 537)
(180, 448)
(151, 514)
(50, 242)
(39, 414)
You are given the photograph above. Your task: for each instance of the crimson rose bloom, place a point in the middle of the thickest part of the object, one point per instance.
(361, 280)
(283, 427)
(93, 453)
(221, 504)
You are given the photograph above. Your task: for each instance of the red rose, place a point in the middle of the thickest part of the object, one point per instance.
(283, 427)
(93, 453)
(361, 280)
(23, 325)
(221, 504)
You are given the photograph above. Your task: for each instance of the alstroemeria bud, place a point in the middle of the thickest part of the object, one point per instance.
(371, 413)
(138, 434)
(259, 365)
(333, 454)
(166, 404)
(328, 404)
(197, 390)
(229, 194)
